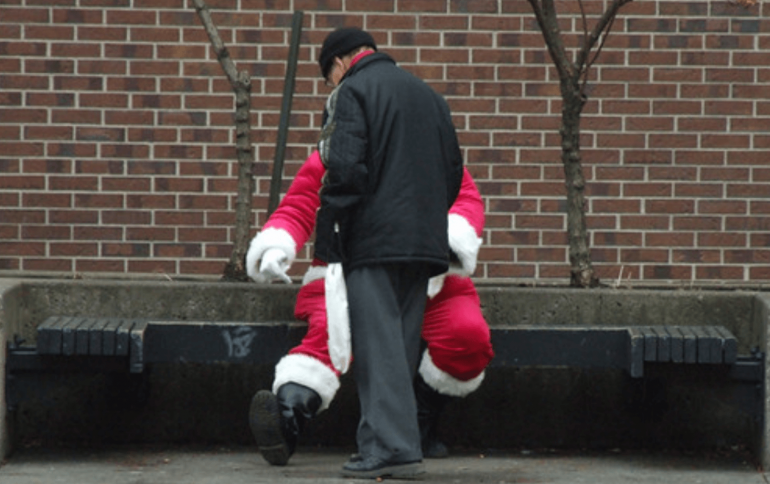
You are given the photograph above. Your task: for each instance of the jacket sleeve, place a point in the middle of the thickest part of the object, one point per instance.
(453, 156)
(343, 147)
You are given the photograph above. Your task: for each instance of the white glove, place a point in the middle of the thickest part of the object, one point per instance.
(435, 285)
(280, 242)
(252, 257)
(274, 265)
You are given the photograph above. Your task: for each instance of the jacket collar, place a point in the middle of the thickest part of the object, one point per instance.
(366, 60)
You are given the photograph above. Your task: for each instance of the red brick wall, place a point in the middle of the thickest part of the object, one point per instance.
(117, 137)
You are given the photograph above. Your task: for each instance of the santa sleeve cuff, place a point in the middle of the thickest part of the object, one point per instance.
(464, 242)
(270, 238)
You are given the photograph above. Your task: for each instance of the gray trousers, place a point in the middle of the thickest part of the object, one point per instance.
(387, 304)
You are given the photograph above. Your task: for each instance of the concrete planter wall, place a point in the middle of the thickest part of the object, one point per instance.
(529, 407)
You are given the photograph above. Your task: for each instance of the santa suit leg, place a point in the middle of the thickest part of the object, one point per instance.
(308, 363)
(458, 338)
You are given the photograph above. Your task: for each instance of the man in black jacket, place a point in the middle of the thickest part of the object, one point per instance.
(393, 169)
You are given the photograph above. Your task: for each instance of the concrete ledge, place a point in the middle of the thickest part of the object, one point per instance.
(672, 407)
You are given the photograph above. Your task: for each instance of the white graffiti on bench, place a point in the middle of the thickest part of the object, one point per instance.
(239, 341)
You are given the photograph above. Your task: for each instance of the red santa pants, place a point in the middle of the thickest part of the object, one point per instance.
(454, 328)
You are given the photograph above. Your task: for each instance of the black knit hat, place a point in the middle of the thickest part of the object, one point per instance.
(341, 42)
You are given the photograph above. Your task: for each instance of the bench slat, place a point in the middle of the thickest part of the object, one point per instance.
(730, 345)
(705, 344)
(690, 344)
(123, 337)
(664, 344)
(68, 335)
(716, 345)
(650, 343)
(677, 344)
(136, 362)
(49, 336)
(109, 336)
(82, 338)
(635, 352)
(95, 336)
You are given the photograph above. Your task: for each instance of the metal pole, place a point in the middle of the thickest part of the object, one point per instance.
(283, 126)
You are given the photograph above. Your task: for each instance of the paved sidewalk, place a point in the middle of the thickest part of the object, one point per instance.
(133, 465)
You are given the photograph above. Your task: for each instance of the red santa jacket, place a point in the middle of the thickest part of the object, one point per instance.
(291, 225)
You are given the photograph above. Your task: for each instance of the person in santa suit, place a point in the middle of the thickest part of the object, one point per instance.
(458, 346)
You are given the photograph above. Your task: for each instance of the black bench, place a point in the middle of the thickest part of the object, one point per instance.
(69, 342)
(609, 347)
(129, 348)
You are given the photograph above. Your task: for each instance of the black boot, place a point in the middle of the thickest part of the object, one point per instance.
(277, 420)
(430, 404)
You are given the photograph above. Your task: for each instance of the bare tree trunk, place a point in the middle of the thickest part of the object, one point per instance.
(235, 270)
(573, 77)
(581, 270)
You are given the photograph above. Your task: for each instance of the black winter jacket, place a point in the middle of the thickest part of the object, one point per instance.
(393, 169)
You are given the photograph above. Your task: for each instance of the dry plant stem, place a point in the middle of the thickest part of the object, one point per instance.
(241, 84)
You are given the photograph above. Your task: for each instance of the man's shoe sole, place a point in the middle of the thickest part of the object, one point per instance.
(413, 470)
(265, 423)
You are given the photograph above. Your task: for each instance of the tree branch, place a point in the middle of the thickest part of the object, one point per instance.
(585, 21)
(549, 26)
(604, 22)
(598, 51)
(223, 55)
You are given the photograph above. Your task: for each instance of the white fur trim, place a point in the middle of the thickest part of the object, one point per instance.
(313, 274)
(338, 318)
(308, 371)
(464, 242)
(445, 383)
(270, 238)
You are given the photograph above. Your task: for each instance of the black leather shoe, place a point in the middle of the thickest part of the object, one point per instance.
(373, 468)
